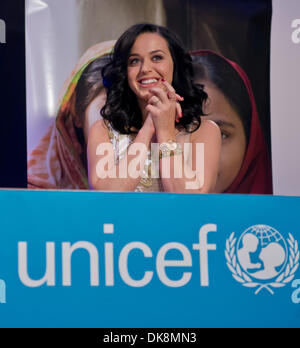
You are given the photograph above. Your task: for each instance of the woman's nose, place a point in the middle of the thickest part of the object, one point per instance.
(146, 66)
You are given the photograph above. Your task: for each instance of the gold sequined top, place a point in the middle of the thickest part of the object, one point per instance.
(150, 181)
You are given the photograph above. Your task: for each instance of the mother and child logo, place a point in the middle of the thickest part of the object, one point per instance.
(261, 258)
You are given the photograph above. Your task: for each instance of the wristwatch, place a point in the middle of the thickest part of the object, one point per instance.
(169, 148)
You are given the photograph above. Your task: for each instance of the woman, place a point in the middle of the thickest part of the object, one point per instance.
(244, 161)
(59, 161)
(149, 74)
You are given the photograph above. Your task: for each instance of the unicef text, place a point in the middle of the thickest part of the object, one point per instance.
(162, 263)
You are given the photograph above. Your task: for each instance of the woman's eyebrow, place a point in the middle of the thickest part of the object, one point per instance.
(133, 54)
(152, 52)
(221, 123)
(156, 51)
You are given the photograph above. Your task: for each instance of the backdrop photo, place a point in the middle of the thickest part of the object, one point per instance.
(54, 46)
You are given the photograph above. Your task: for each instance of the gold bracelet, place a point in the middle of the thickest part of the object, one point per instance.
(169, 148)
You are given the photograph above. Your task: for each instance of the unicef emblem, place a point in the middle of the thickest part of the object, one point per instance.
(262, 259)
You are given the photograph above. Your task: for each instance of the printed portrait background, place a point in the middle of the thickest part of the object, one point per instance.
(55, 42)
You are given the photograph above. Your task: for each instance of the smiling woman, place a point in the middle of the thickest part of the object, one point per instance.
(244, 162)
(151, 99)
(148, 66)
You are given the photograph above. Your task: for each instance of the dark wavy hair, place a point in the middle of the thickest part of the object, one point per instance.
(122, 110)
(214, 68)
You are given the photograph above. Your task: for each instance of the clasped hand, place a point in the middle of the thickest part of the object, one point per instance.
(164, 109)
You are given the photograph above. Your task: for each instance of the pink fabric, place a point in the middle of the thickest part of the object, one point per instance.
(255, 175)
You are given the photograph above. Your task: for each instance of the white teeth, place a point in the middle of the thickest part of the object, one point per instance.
(147, 82)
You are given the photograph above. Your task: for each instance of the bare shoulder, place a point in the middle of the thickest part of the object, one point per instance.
(208, 130)
(99, 127)
(98, 131)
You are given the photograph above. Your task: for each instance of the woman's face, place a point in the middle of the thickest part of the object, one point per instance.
(149, 62)
(233, 136)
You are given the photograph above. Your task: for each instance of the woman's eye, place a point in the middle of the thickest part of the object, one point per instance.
(224, 135)
(157, 57)
(133, 61)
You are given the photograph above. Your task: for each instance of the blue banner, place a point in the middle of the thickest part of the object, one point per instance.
(90, 259)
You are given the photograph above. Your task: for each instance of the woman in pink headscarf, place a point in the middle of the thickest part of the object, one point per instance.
(59, 160)
(244, 161)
